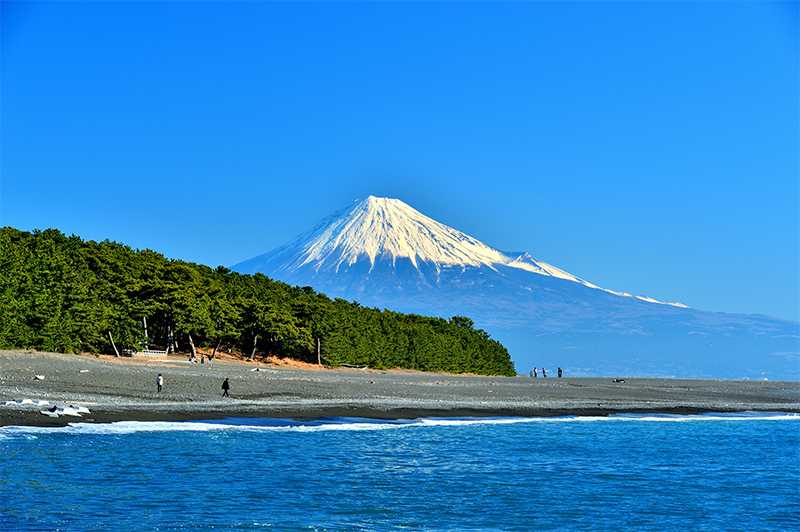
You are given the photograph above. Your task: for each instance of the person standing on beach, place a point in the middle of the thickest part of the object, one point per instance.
(225, 388)
(160, 381)
(559, 373)
(534, 373)
(544, 374)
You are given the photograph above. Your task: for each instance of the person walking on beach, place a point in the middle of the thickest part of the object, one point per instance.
(544, 374)
(159, 381)
(225, 388)
(559, 373)
(534, 373)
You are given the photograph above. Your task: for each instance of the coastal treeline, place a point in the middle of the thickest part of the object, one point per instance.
(64, 294)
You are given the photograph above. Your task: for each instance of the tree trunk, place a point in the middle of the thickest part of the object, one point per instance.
(273, 341)
(214, 353)
(116, 351)
(255, 342)
(169, 339)
(191, 344)
(319, 353)
(144, 322)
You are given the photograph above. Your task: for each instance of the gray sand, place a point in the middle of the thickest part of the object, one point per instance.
(125, 389)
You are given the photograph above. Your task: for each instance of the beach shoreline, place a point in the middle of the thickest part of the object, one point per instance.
(124, 389)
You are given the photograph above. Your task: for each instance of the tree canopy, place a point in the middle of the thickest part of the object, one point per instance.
(64, 294)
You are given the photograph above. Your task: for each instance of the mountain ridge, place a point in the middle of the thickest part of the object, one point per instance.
(381, 252)
(376, 227)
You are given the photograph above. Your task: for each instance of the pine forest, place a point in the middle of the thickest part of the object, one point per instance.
(67, 295)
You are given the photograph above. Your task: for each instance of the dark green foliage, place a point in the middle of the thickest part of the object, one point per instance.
(62, 294)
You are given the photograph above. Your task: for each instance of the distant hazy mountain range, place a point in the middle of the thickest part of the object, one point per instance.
(383, 253)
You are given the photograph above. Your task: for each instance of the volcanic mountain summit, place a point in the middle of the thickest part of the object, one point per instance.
(378, 238)
(381, 252)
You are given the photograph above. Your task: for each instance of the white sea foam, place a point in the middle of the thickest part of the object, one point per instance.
(711, 416)
(354, 424)
(737, 416)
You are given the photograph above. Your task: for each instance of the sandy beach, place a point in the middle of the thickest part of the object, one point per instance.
(120, 389)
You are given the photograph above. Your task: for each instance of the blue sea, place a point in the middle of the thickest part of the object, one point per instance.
(708, 472)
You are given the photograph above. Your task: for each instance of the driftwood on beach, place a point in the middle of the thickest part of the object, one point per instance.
(115, 389)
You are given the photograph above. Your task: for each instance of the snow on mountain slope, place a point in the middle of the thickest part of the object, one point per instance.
(382, 226)
(383, 254)
(384, 229)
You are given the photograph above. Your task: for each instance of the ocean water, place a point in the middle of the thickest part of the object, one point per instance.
(709, 472)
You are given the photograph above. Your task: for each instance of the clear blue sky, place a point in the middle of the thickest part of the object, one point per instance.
(647, 147)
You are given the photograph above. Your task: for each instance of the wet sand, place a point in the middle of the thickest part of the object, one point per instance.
(124, 389)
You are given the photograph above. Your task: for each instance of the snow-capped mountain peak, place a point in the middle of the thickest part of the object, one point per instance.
(385, 227)
(384, 254)
(386, 230)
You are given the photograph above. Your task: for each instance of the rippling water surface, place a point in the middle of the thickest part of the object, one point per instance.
(711, 472)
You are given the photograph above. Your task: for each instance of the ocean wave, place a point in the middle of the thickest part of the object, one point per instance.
(360, 424)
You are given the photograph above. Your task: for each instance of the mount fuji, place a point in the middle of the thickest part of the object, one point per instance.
(383, 253)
